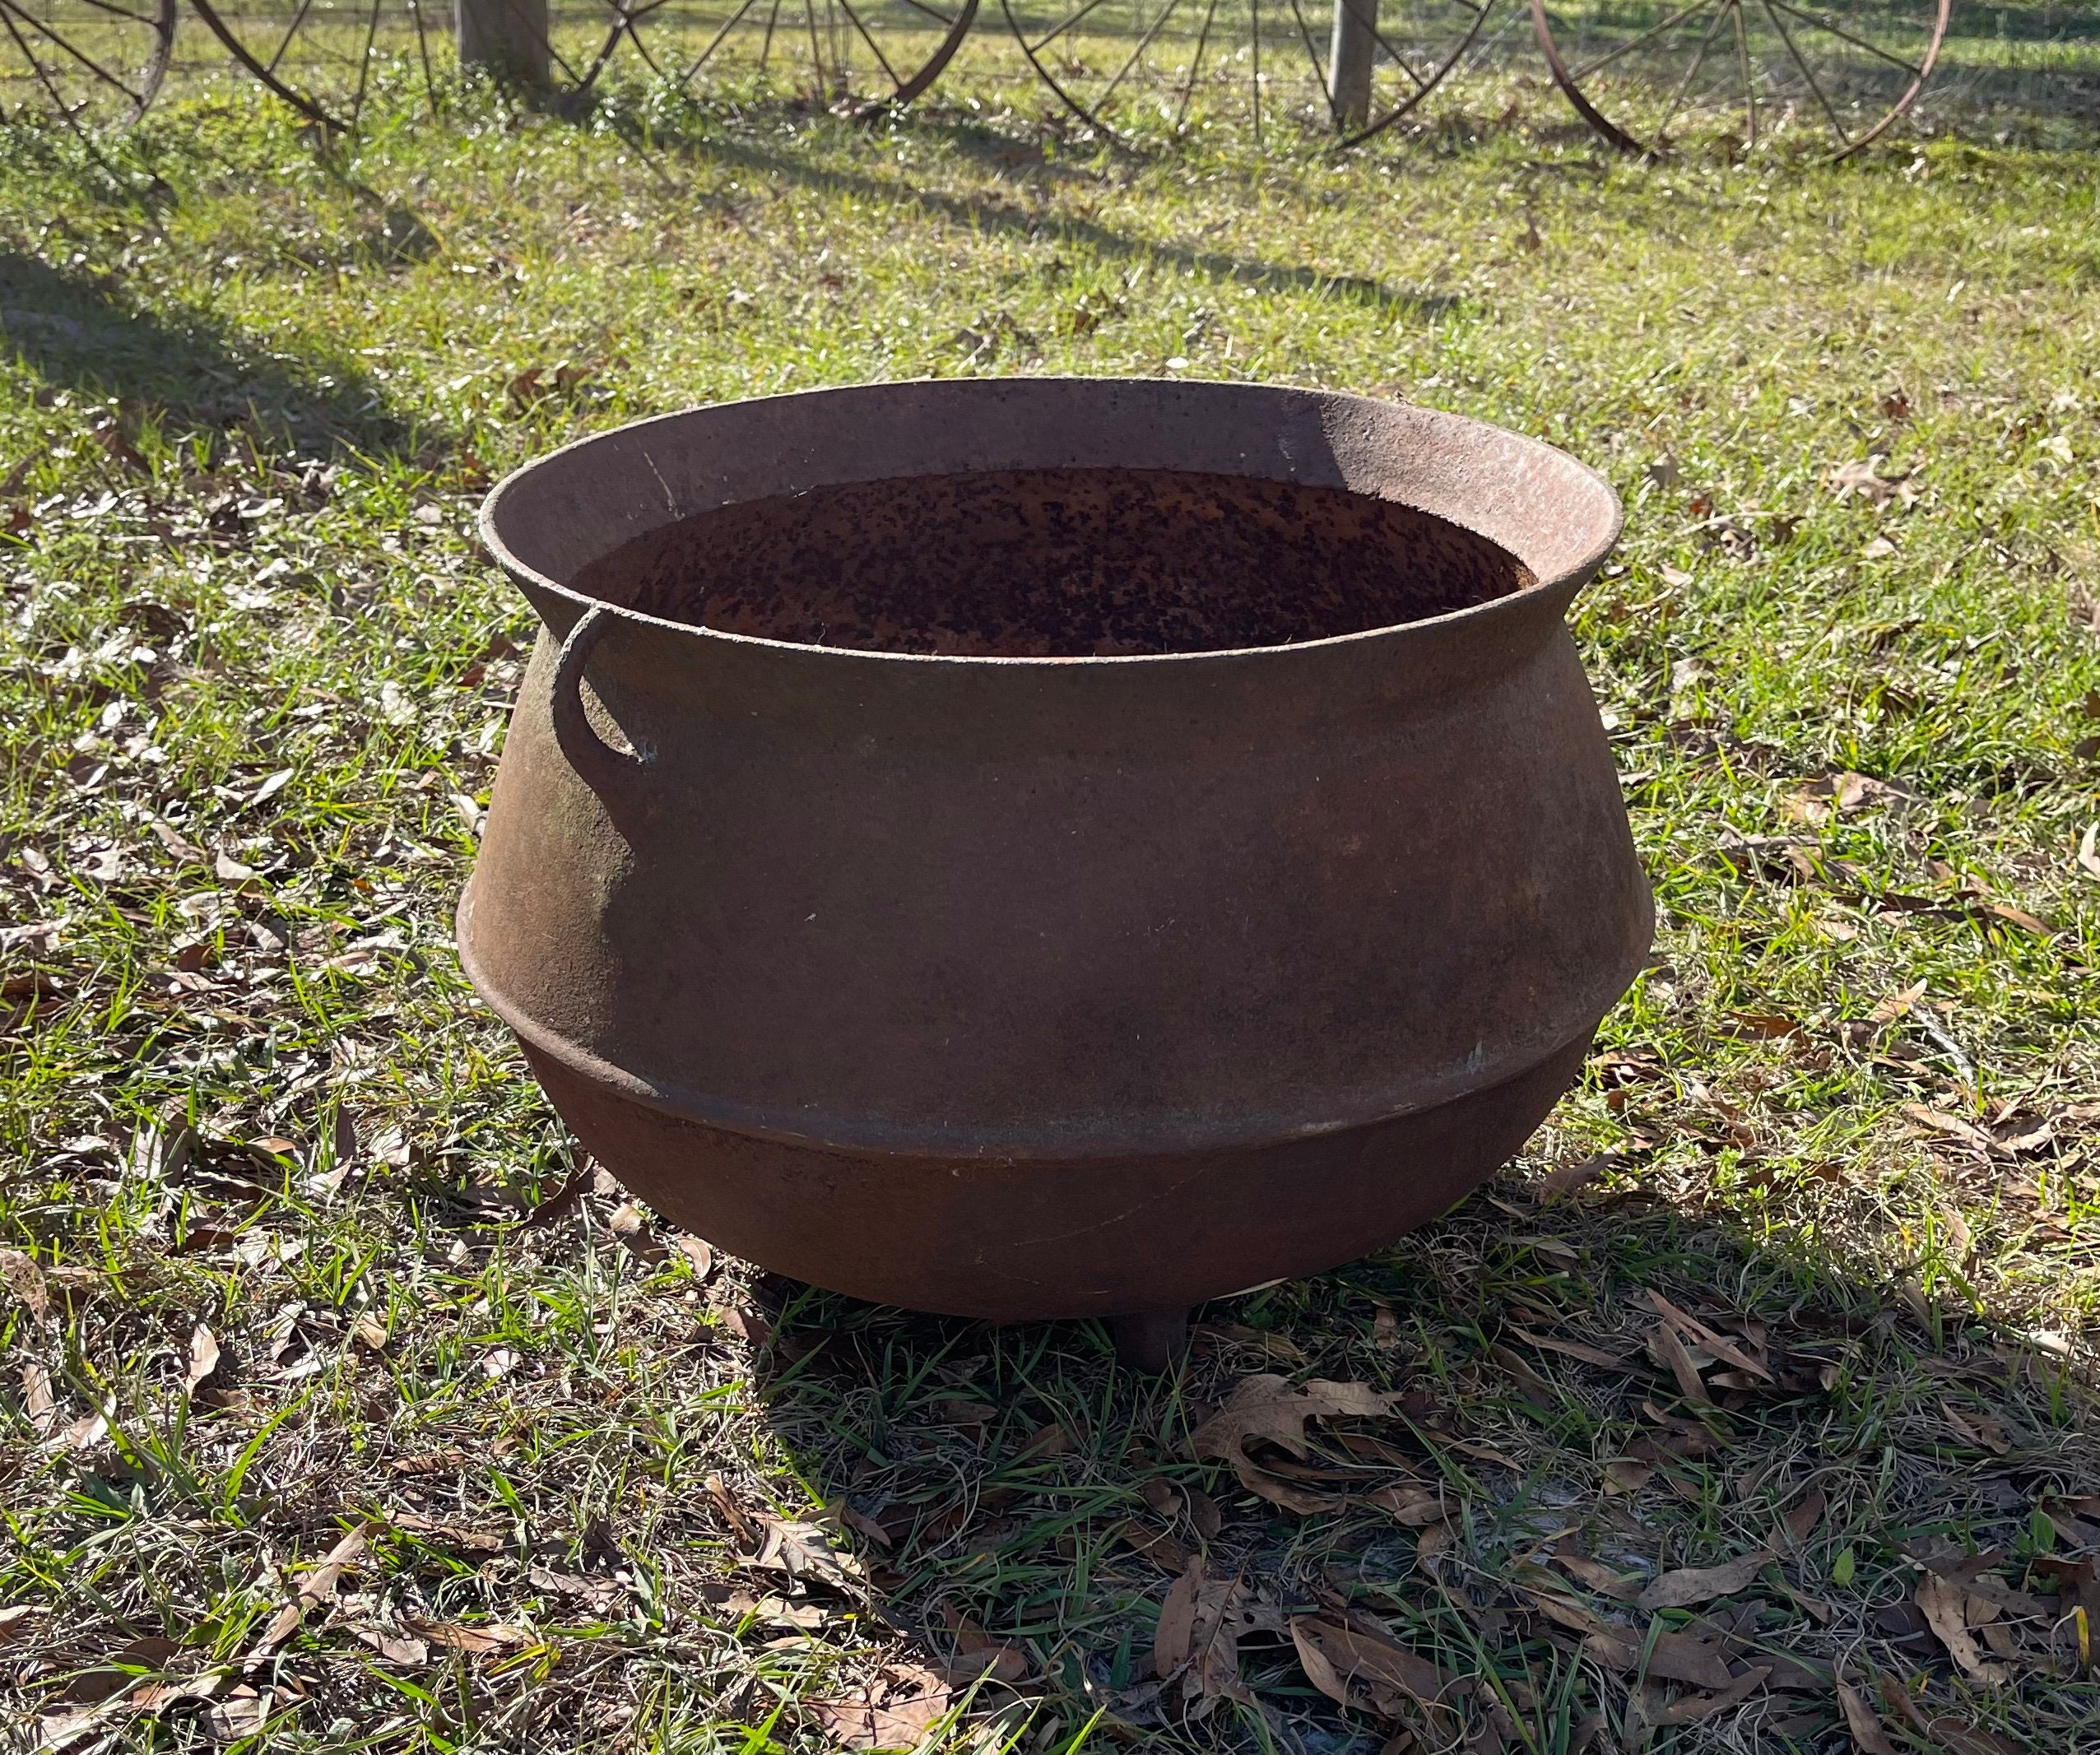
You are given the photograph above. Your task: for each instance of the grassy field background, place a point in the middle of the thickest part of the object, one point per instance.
(342, 1409)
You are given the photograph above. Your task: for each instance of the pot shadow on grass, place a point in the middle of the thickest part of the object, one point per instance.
(80, 334)
(1012, 1492)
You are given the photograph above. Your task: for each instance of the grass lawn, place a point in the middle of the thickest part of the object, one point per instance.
(342, 1409)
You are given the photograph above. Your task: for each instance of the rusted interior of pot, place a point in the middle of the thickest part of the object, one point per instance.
(1056, 563)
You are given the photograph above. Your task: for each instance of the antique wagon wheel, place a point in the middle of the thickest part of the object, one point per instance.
(1128, 67)
(881, 51)
(321, 56)
(1838, 73)
(94, 64)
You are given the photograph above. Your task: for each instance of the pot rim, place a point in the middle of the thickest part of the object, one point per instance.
(1558, 589)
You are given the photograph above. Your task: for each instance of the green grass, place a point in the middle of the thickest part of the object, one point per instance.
(244, 423)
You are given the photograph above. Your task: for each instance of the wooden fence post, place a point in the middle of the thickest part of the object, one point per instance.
(507, 37)
(1351, 52)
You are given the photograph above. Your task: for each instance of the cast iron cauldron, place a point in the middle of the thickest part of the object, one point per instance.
(1054, 847)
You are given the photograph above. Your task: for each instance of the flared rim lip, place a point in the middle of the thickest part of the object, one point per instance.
(1561, 586)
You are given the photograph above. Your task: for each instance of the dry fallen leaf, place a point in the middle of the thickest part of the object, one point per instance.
(480, 1639)
(1945, 1607)
(1801, 1521)
(319, 1584)
(1268, 1407)
(38, 1401)
(1336, 1657)
(1864, 478)
(841, 1511)
(1414, 1505)
(1690, 1586)
(1573, 1350)
(1173, 1633)
(203, 1360)
(1670, 1350)
(1627, 1475)
(634, 1230)
(803, 1550)
(744, 1322)
(698, 1256)
(1197, 1638)
(1599, 1577)
(894, 1712)
(1868, 1737)
(1692, 1708)
(1271, 1409)
(1556, 1184)
(24, 1279)
(1204, 1513)
(1728, 1351)
(1162, 1549)
(978, 1653)
(746, 1532)
(396, 1648)
(565, 1200)
(455, 1537)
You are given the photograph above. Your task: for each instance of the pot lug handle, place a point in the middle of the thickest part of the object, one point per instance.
(605, 769)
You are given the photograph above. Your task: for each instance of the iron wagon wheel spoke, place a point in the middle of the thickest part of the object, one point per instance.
(715, 41)
(1319, 73)
(240, 52)
(1144, 43)
(1255, 10)
(1032, 49)
(113, 80)
(1743, 62)
(1820, 23)
(423, 53)
(1400, 61)
(946, 20)
(816, 53)
(1196, 66)
(628, 24)
(1044, 74)
(1808, 73)
(765, 48)
(365, 64)
(291, 30)
(1628, 47)
(874, 48)
(1691, 73)
(64, 111)
(1400, 111)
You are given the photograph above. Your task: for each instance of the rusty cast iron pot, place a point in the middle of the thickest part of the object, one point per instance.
(1115, 842)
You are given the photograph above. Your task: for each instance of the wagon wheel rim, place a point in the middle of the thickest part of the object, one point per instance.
(78, 79)
(1792, 38)
(1411, 59)
(833, 38)
(273, 51)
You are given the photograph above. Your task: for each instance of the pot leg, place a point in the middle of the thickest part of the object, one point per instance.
(1154, 1340)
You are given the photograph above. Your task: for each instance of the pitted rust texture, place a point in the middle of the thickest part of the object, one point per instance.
(1064, 563)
